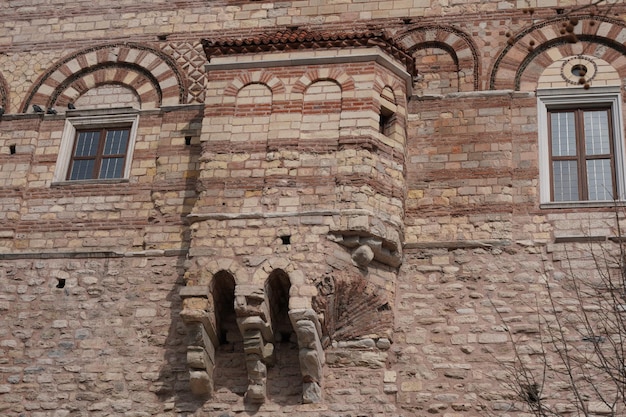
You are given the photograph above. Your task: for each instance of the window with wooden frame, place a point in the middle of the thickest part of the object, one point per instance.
(99, 153)
(97, 145)
(582, 154)
(581, 147)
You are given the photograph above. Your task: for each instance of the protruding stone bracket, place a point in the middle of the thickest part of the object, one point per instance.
(201, 338)
(309, 331)
(367, 248)
(254, 322)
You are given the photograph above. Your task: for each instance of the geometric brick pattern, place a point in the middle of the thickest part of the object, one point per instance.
(456, 43)
(152, 74)
(191, 59)
(519, 65)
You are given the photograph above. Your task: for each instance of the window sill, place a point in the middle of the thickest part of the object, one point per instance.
(581, 204)
(90, 182)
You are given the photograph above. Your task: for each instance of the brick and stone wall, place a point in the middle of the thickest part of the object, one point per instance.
(332, 209)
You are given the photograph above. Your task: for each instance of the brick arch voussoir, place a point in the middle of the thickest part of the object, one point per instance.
(511, 64)
(457, 43)
(111, 74)
(233, 268)
(160, 67)
(263, 271)
(386, 81)
(543, 60)
(275, 85)
(336, 75)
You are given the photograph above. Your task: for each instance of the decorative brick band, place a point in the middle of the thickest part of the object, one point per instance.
(512, 69)
(152, 74)
(299, 39)
(257, 77)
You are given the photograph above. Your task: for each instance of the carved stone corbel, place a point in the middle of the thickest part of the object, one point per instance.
(311, 355)
(254, 322)
(202, 338)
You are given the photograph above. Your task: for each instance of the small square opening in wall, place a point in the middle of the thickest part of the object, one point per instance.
(12, 149)
(286, 239)
(187, 140)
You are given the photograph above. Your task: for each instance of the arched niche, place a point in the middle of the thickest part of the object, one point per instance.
(253, 108)
(153, 75)
(277, 288)
(104, 96)
(519, 66)
(453, 51)
(321, 111)
(223, 295)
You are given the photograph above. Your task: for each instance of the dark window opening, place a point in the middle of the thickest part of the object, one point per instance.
(385, 124)
(277, 290)
(12, 149)
(99, 154)
(286, 239)
(223, 291)
(187, 140)
(60, 283)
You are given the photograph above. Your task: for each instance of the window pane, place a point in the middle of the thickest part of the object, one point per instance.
(563, 134)
(597, 133)
(111, 168)
(599, 179)
(82, 169)
(87, 143)
(565, 176)
(116, 142)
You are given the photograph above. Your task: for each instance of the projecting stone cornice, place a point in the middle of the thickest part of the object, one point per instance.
(303, 39)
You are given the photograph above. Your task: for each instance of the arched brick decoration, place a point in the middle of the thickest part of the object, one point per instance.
(386, 81)
(156, 74)
(323, 74)
(518, 67)
(455, 42)
(145, 86)
(276, 86)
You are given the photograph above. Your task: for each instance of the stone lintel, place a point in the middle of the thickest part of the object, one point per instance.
(194, 291)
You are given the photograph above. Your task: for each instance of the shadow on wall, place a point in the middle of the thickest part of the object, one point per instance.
(172, 384)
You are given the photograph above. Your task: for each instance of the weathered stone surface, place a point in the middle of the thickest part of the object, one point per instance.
(256, 153)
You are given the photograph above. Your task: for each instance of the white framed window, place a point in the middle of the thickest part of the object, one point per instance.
(97, 146)
(581, 147)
